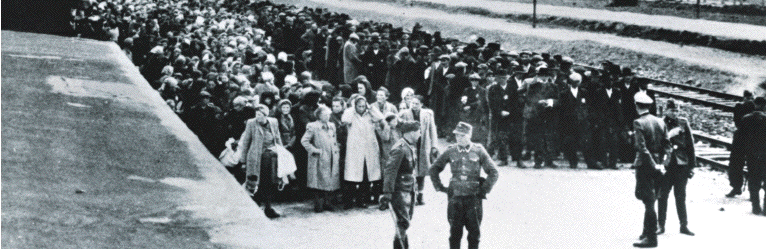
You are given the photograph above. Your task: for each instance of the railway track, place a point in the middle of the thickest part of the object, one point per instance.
(711, 150)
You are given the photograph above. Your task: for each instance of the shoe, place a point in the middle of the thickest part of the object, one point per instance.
(685, 230)
(361, 204)
(328, 207)
(757, 210)
(521, 165)
(646, 243)
(420, 201)
(660, 230)
(551, 165)
(271, 213)
(733, 193)
(502, 163)
(538, 166)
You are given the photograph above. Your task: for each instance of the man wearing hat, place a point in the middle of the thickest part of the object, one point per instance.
(652, 146)
(540, 96)
(680, 170)
(507, 120)
(736, 161)
(474, 108)
(753, 133)
(399, 185)
(437, 81)
(466, 189)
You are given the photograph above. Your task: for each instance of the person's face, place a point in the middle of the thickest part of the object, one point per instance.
(463, 139)
(412, 136)
(324, 116)
(285, 109)
(394, 122)
(361, 106)
(376, 45)
(381, 96)
(574, 83)
(416, 105)
(474, 82)
(239, 106)
(337, 107)
(260, 116)
(361, 89)
(224, 79)
(501, 79)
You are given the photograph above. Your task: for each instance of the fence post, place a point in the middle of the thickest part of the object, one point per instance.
(698, 9)
(534, 13)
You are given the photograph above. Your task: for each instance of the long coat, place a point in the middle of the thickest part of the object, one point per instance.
(251, 143)
(363, 149)
(652, 144)
(351, 62)
(323, 156)
(428, 138)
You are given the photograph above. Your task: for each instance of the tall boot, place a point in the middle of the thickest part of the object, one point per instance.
(755, 200)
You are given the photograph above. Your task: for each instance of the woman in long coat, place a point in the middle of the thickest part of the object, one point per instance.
(363, 158)
(428, 140)
(324, 154)
(261, 133)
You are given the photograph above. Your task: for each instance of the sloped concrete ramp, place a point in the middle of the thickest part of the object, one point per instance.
(93, 158)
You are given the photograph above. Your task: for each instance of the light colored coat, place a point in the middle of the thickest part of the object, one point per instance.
(251, 144)
(362, 147)
(428, 137)
(323, 156)
(351, 62)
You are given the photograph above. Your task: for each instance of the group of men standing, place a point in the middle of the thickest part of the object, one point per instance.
(748, 148)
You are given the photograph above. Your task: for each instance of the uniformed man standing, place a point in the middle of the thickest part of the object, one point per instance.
(680, 169)
(754, 132)
(399, 180)
(651, 143)
(466, 188)
(736, 160)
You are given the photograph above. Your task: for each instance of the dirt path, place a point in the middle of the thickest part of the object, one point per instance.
(752, 68)
(723, 29)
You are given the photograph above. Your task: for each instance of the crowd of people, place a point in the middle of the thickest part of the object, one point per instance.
(280, 82)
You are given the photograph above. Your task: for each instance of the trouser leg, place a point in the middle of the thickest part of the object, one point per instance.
(474, 212)
(679, 192)
(502, 146)
(665, 185)
(515, 137)
(401, 203)
(611, 147)
(377, 189)
(456, 218)
(754, 187)
(569, 147)
(650, 219)
(363, 192)
(736, 163)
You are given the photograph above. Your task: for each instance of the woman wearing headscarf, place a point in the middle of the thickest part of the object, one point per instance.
(255, 148)
(362, 159)
(323, 160)
(285, 121)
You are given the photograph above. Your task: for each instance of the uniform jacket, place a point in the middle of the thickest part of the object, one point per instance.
(504, 100)
(363, 148)
(682, 158)
(323, 156)
(399, 170)
(466, 166)
(428, 138)
(651, 143)
(251, 145)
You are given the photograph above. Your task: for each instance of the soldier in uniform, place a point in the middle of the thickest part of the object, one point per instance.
(754, 132)
(399, 183)
(467, 188)
(651, 143)
(540, 96)
(680, 169)
(736, 160)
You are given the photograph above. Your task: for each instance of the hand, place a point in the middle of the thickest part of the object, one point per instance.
(505, 113)
(434, 152)
(482, 194)
(384, 200)
(660, 168)
(468, 107)
(690, 174)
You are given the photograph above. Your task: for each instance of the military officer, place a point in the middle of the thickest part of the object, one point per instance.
(399, 180)
(680, 169)
(754, 132)
(466, 188)
(651, 143)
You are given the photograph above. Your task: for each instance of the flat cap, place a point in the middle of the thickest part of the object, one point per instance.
(353, 36)
(463, 128)
(567, 59)
(759, 101)
(444, 56)
(461, 64)
(474, 76)
(205, 94)
(408, 126)
(642, 98)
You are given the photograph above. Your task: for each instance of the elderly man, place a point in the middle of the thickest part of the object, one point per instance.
(573, 106)
(652, 146)
(507, 120)
(541, 96)
(736, 161)
(467, 188)
(399, 185)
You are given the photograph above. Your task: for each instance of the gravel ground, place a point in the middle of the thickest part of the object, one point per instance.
(548, 208)
(709, 68)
